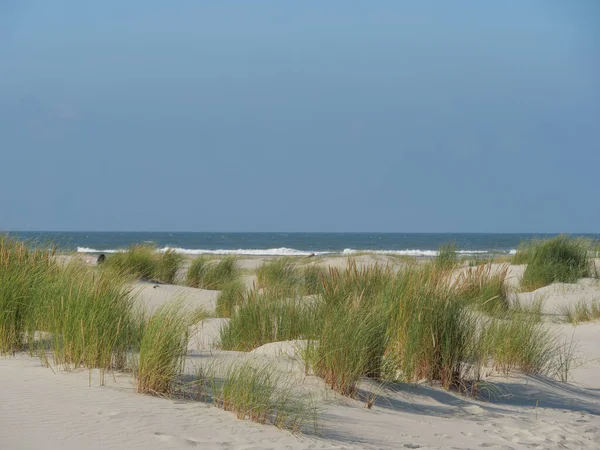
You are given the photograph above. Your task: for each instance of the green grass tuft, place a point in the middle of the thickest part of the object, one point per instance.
(281, 275)
(484, 287)
(432, 330)
(582, 311)
(232, 295)
(561, 259)
(267, 317)
(24, 276)
(91, 318)
(517, 342)
(314, 277)
(207, 273)
(347, 346)
(167, 267)
(87, 318)
(410, 324)
(446, 257)
(146, 262)
(524, 252)
(163, 348)
(258, 392)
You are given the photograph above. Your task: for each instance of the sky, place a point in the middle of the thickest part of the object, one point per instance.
(391, 116)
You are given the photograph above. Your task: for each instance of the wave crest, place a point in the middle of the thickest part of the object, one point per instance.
(284, 251)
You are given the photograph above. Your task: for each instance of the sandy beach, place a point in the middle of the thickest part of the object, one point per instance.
(42, 408)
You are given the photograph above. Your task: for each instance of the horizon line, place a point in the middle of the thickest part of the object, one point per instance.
(304, 232)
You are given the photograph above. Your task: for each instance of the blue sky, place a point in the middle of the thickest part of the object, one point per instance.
(427, 116)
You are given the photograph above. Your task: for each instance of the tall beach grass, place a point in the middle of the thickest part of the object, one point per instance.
(485, 287)
(231, 296)
(431, 330)
(207, 273)
(446, 257)
(163, 348)
(563, 259)
(582, 311)
(266, 317)
(517, 342)
(147, 263)
(258, 392)
(88, 318)
(418, 322)
(281, 274)
(286, 276)
(91, 317)
(24, 276)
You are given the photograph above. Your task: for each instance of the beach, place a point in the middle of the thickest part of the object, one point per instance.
(294, 225)
(58, 408)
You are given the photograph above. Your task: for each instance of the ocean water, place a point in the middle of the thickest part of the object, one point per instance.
(412, 244)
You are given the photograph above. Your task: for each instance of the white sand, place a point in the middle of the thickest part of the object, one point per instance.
(40, 409)
(562, 294)
(44, 410)
(206, 335)
(152, 295)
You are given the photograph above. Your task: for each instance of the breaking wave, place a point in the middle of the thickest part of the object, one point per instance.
(284, 251)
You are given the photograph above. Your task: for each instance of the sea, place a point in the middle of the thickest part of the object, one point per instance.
(285, 244)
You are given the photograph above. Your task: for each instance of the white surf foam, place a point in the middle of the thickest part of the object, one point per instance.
(282, 251)
(93, 250)
(412, 252)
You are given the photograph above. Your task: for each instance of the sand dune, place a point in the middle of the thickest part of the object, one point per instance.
(42, 409)
(556, 295)
(45, 409)
(152, 295)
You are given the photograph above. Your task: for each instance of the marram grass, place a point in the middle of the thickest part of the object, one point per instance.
(267, 317)
(231, 296)
(163, 348)
(410, 324)
(258, 392)
(431, 330)
(484, 287)
(286, 276)
(206, 273)
(582, 311)
(560, 259)
(91, 320)
(518, 343)
(91, 317)
(147, 263)
(281, 274)
(88, 318)
(347, 346)
(446, 257)
(24, 276)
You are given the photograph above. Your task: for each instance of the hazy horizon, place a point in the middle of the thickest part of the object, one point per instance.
(576, 233)
(314, 116)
